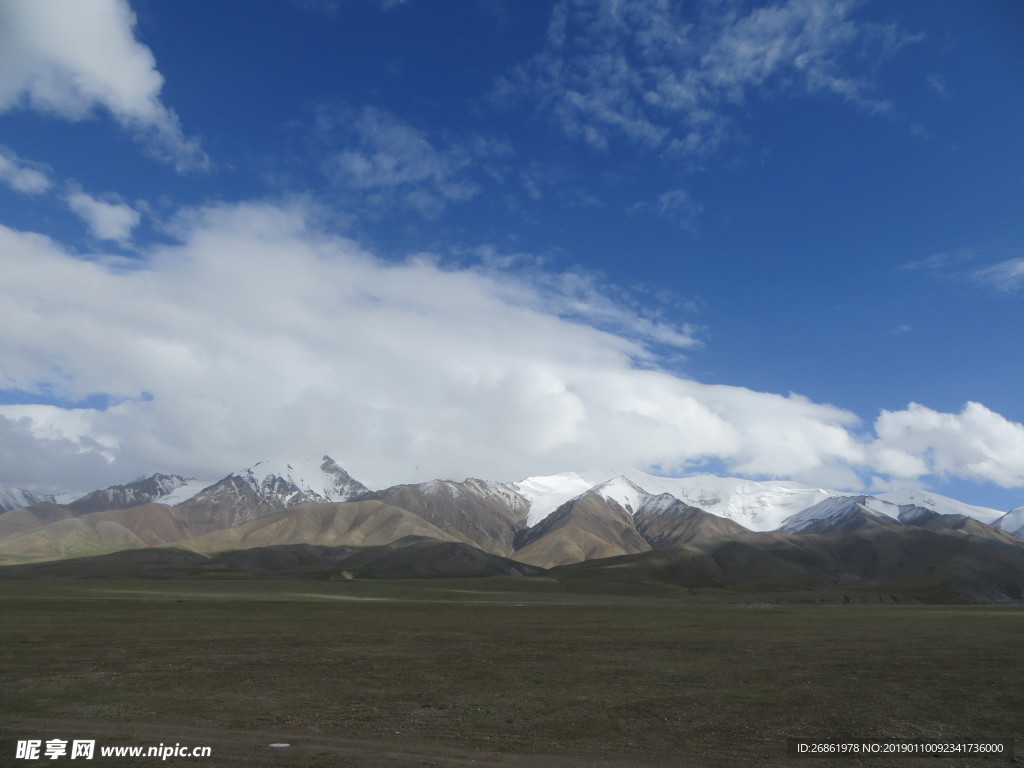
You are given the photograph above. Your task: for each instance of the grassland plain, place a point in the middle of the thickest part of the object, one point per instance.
(491, 672)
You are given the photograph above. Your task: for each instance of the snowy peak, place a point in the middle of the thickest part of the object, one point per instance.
(756, 505)
(280, 484)
(342, 485)
(505, 492)
(154, 488)
(290, 483)
(941, 504)
(662, 503)
(850, 513)
(623, 492)
(842, 513)
(471, 486)
(13, 498)
(1013, 522)
(547, 493)
(911, 514)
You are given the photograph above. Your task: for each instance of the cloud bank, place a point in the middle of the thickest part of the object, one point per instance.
(257, 334)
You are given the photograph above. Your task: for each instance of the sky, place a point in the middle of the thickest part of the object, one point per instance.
(493, 238)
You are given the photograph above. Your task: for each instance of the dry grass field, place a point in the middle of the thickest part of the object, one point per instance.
(500, 672)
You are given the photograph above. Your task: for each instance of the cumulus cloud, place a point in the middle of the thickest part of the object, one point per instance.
(106, 219)
(258, 335)
(664, 76)
(66, 58)
(21, 175)
(975, 444)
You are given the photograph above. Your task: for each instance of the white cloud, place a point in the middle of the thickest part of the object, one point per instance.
(38, 456)
(106, 219)
(1004, 277)
(976, 444)
(391, 163)
(579, 296)
(65, 58)
(675, 205)
(666, 77)
(943, 262)
(258, 335)
(22, 175)
(936, 84)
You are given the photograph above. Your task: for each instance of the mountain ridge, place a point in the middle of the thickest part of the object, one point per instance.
(546, 521)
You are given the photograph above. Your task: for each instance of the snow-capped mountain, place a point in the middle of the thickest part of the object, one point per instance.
(545, 520)
(937, 503)
(842, 513)
(13, 498)
(157, 487)
(758, 505)
(507, 493)
(280, 484)
(546, 493)
(302, 480)
(624, 492)
(617, 517)
(911, 514)
(186, 491)
(1013, 522)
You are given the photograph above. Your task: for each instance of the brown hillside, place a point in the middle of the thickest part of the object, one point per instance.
(469, 511)
(352, 523)
(584, 528)
(26, 518)
(679, 523)
(73, 537)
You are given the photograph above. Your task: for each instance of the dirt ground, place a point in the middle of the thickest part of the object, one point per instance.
(350, 678)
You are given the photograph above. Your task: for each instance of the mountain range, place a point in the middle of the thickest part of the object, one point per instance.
(695, 531)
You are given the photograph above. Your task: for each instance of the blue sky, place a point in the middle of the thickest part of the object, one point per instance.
(498, 238)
